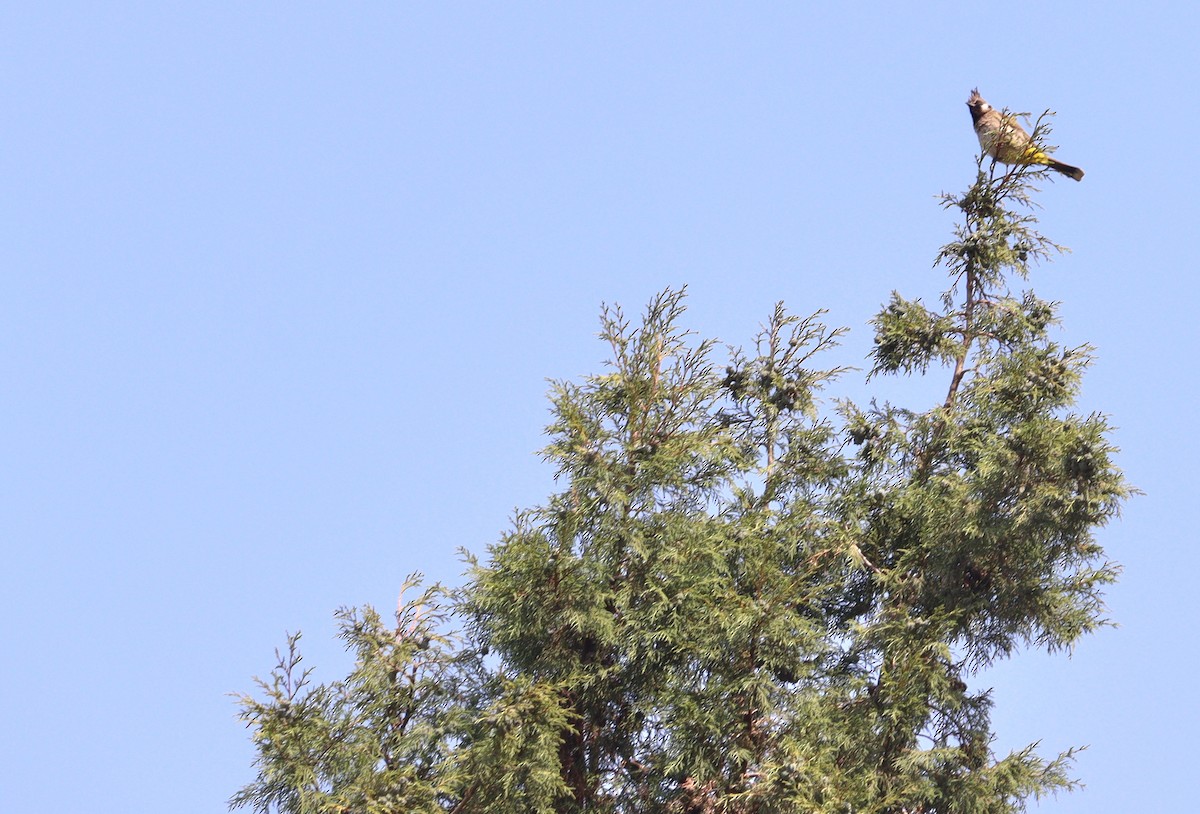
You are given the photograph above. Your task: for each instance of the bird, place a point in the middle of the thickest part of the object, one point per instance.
(1007, 142)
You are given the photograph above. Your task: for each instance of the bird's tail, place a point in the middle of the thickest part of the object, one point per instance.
(1065, 169)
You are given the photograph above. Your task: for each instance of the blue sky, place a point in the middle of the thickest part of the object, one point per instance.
(283, 284)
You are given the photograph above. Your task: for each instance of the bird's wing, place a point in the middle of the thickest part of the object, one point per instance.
(1011, 125)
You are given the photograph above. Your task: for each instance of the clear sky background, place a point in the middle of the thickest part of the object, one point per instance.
(283, 284)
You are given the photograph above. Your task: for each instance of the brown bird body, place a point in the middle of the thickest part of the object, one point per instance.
(1002, 138)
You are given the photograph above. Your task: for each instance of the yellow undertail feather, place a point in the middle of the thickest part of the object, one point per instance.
(1036, 156)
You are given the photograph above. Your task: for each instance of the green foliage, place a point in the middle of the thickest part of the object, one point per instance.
(737, 602)
(377, 741)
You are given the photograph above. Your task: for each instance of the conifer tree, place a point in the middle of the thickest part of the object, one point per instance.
(739, 602)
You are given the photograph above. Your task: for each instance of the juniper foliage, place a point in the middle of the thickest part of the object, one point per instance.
(737, 602)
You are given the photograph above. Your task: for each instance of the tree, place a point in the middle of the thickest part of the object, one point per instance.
(738, 602)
